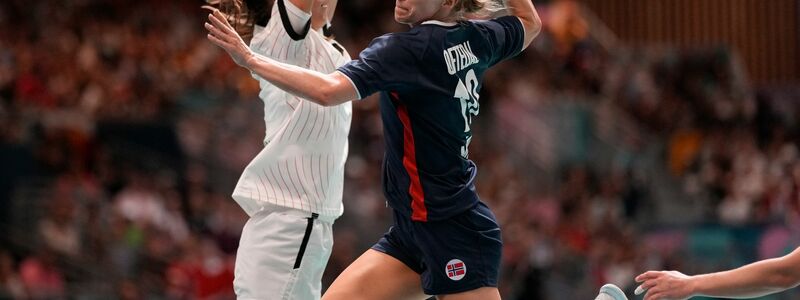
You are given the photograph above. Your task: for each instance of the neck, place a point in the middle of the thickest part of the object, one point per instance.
(443, 15)
(317, 23)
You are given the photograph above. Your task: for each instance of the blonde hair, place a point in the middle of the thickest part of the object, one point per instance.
(468, 9)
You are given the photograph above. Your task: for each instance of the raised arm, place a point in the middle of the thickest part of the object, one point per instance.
(753, 280)
(323, 89)
(524, 10)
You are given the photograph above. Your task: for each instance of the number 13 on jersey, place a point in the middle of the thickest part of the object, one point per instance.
(467, 93)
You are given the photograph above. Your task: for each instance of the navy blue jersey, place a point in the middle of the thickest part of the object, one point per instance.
(429, 79)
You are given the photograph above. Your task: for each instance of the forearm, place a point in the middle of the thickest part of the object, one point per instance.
(314, 86)
(753, 280)
(324, 89)
(526, 12)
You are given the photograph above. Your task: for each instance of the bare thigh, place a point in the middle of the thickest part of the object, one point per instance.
(376, 275)
(484, 293)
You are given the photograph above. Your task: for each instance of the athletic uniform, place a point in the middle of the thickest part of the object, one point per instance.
(429, 78)
(292, 189)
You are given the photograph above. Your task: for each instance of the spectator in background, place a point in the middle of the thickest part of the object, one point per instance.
(59, 229)
(41, 276)
(58, 94)
(11, 285)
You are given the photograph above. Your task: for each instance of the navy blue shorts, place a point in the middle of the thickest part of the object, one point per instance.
(453, 255)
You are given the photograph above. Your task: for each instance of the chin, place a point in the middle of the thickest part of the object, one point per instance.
(401, 20)
(403, 16)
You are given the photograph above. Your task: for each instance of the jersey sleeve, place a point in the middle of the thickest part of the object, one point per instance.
(388, 63)
(505, 36)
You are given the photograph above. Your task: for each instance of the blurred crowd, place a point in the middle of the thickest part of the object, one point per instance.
(123, 132)
(731, 148)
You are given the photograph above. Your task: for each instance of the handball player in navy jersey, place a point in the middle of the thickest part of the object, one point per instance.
(444, 241)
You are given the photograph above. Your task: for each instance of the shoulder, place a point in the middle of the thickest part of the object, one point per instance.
(328, 47)
(502, 21)
(402, 40)
(400, 43)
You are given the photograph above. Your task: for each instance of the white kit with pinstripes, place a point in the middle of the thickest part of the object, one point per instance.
(302, 163)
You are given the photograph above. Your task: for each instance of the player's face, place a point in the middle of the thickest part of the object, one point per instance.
(318, 7)
(415, 11)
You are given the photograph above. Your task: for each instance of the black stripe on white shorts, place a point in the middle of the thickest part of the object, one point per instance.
(306, 237)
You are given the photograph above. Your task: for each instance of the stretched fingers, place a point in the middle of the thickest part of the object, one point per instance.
(656, 292)
(219, 20)
(639, 290)
(216, 41)
(216, 36)
(217, 29)
(649, 284)
(647, 276)
(653, 296)
(216, 32)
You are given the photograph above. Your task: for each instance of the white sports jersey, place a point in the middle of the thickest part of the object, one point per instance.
(302, 163)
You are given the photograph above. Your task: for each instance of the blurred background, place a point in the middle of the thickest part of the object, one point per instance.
(631, 135)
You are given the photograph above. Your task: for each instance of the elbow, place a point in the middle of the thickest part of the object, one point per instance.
(331, 91)
(785, 282)
(785, 277)
(791, 280)
(323, 96)
(532, 25)
(535, 25)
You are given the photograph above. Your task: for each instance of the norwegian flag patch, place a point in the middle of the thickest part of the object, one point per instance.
(455, 269)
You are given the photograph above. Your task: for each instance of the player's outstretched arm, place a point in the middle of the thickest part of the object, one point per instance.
(753, 280)
(324, 89)
(526, 12)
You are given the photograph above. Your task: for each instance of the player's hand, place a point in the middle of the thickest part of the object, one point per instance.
(222, 34)
(664, 285)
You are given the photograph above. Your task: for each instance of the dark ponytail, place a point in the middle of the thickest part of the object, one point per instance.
(242, 14)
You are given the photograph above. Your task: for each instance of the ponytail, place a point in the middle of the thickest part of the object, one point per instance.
(241, 14)
(478, 8)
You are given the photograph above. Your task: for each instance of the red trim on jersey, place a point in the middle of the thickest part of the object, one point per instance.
(418, 210)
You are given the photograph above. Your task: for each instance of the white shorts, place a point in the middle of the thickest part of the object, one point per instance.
(282, 254)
